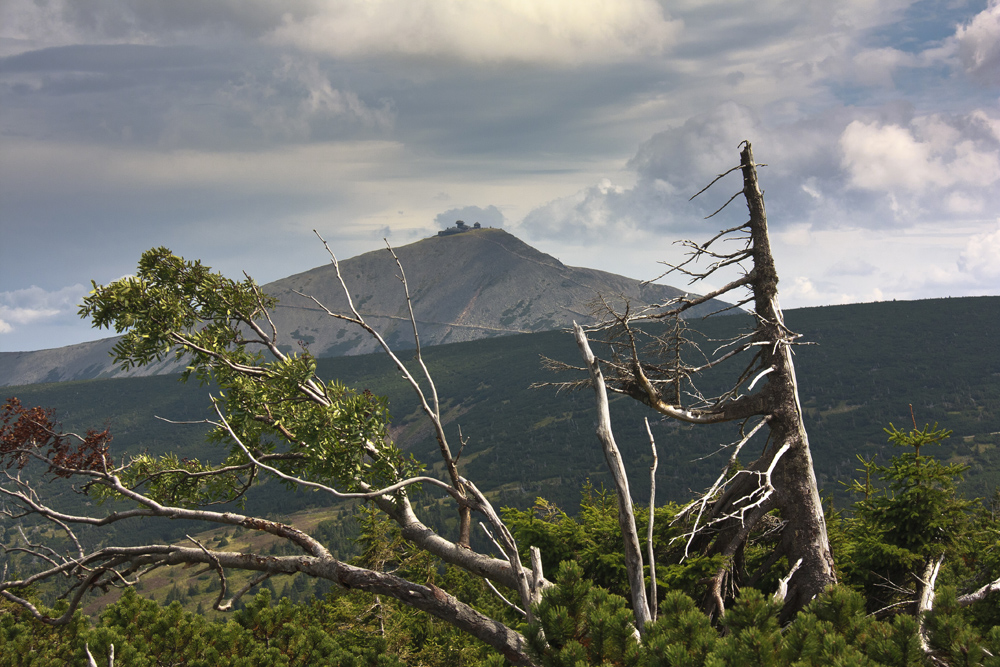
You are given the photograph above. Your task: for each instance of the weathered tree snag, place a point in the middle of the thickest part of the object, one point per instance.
(782, 478)
(613, 457)
(653, 606)
(979, 594)
(925, 600)
(798, 498)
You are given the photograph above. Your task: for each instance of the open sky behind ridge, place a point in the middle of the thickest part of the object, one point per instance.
(227, 130)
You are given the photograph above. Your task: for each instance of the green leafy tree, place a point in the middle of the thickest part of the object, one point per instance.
(591, 540)
(580, 624)
(910, 517)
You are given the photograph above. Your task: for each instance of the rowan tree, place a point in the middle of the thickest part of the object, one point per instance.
(275, 418)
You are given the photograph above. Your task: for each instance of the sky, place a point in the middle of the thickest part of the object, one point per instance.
(227, 130)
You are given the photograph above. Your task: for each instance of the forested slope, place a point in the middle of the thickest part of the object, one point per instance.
(861, 368)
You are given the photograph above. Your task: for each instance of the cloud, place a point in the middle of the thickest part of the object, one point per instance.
(35, 305)
(875, 67)
(889, 157)
(592, 214)
(542, 31)
(926, 167)
(703, 146)
(932, 153)
(852, 266)
(669, 167)
(170, 97)
(296, 101)
(981, 258)
(802, 291)
(61, 22)
(850, 172)
(547, 31)
(28, 166)
(979, 44)
(209, 126)
(673, 165)
(490, 216)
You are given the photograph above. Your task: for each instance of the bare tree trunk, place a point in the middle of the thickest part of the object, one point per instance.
(805, 535)
(925, 602)
(649, 530)
(782, 479)
(613, 457)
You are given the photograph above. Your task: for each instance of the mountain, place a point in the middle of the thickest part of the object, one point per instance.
(480, 283)
(83, 361)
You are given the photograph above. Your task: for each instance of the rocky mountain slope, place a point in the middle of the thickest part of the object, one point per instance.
(477, 284)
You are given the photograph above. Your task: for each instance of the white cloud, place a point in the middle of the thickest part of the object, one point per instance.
(592, 213)
(964, 204)
(887, 157)
(862, 14)
(795, 235)
(29, 24)
(671, 166)
(349, 115)
(489, 216)
(979, 44)
(875, 67)
(981, 258)
(554, 31)
(850, 169)
(35, 305)
(930, 154)
(852, 266)
(295, 103)
(547, 31)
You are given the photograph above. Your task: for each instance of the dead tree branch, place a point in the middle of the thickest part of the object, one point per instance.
(626, 518)
(764, 386)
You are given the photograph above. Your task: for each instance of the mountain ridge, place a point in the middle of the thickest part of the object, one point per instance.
(477, 284)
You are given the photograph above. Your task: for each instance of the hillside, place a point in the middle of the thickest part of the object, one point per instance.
(478, 284)
(870, 361)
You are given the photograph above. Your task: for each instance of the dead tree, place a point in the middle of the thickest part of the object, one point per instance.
(782, 478)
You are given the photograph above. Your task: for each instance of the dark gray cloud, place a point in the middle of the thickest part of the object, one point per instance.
(184, 98)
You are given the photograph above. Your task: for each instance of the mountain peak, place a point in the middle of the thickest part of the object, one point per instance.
(478, 283)
(464, 286)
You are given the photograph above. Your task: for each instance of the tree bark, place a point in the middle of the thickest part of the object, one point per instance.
(613, 457)
(782, 478)
(805, 536)
(431, 599)
(925, 601)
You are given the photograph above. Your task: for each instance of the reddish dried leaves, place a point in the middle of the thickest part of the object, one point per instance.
(26, 431)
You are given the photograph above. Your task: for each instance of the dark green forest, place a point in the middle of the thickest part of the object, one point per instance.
(861, 367)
